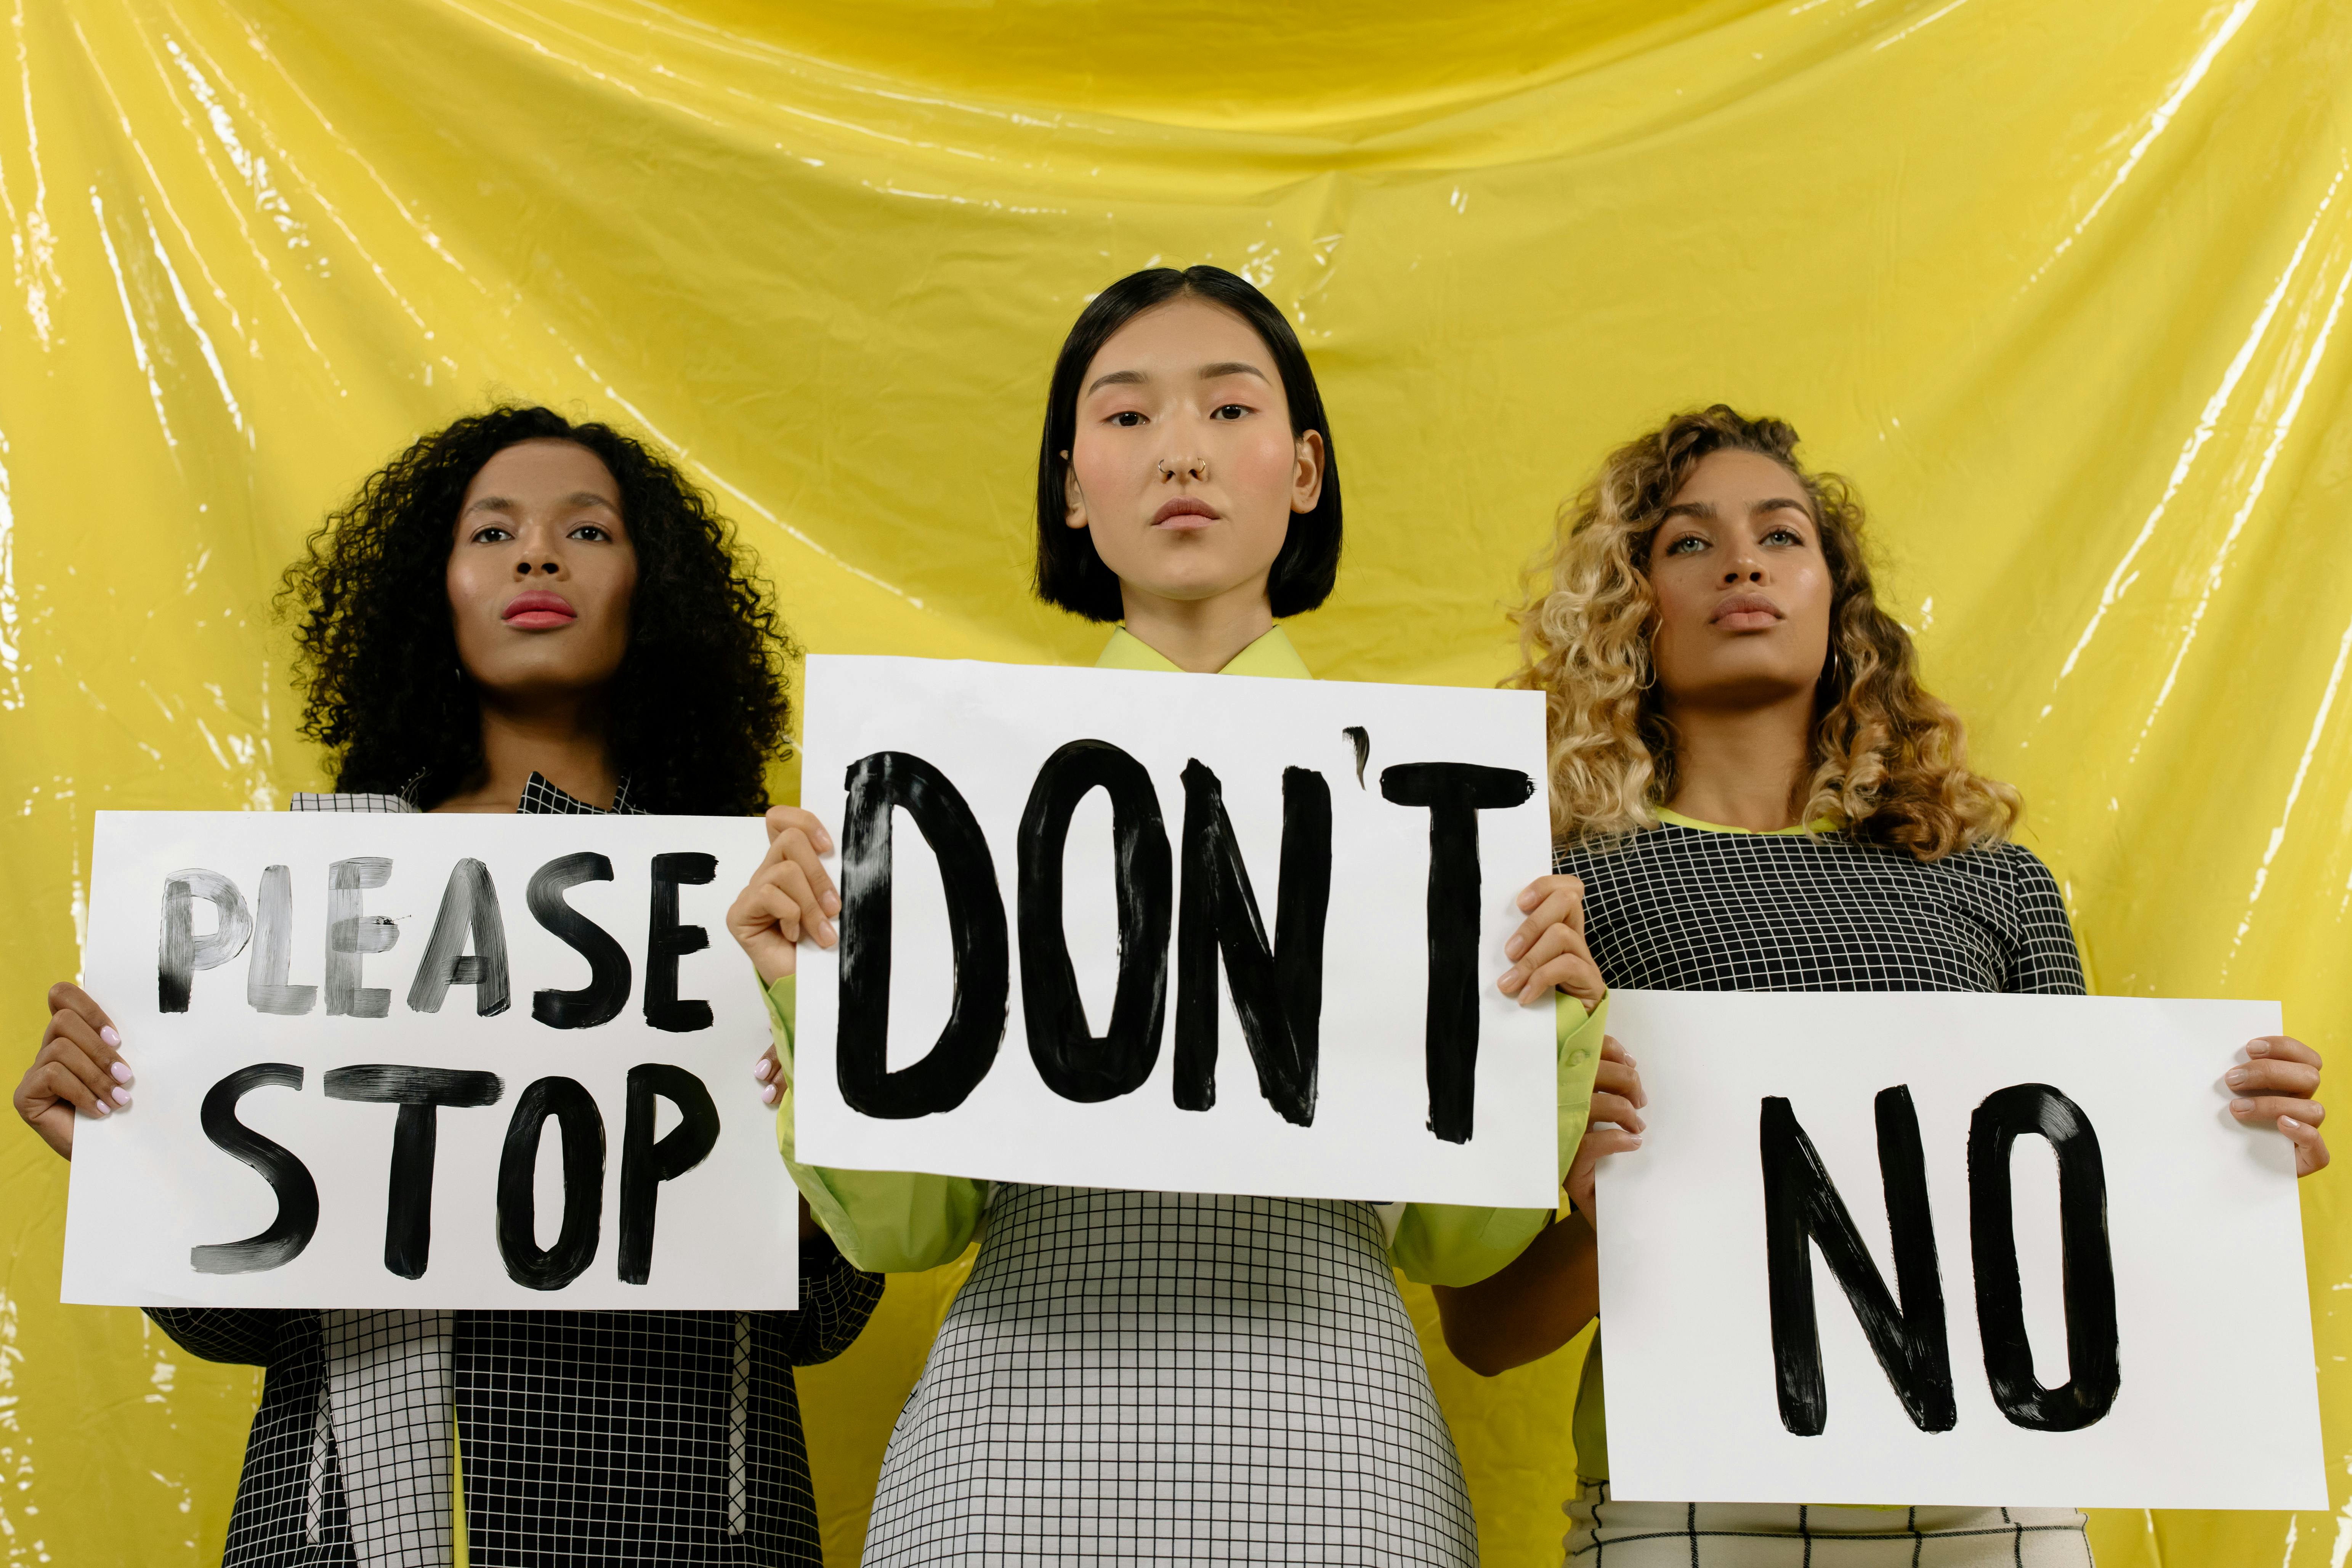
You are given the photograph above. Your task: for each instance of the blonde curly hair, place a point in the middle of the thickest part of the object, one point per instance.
(1889, 758)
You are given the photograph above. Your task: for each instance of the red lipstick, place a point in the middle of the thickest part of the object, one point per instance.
(539, 611)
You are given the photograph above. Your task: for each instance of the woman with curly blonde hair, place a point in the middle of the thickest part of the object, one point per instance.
(1751, 791)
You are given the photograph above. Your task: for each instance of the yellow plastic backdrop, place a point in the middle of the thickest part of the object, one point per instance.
(2061, 285)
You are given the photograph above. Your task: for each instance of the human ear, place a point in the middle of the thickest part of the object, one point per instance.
(1306, 476)
(1074, 499)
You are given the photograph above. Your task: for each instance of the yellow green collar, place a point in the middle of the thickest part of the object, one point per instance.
(1819, 825)
(1270, 656)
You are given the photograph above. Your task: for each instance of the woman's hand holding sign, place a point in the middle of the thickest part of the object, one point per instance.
(1614, 1125)
(789, 897)
(79, 1067)
(2277, 1083)
(1548, 950)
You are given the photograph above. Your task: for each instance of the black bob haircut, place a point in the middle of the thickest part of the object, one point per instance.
(696, 710)
(1069, 572)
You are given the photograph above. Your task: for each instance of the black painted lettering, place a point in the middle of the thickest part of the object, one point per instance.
(288, 1178)
(266, 990)
(179, 950)
(1803, 1209)
(645, 1164)
(607, 991)
(1278, 991)
(1454, 794)
(583, 1128)
(2094, 1364)
(1075, 1063)
(469, 907)
(419, 1092)
(967, 1046)
(666, 941)
(351, 934)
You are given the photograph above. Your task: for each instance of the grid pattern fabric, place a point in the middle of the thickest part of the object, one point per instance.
(1606, 1533)
(1681, 909)
(583, 1437)
(1166, 1377)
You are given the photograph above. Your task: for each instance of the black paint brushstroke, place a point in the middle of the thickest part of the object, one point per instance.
(1073, 1062)
(582, 1127)
(1455, 794)
(420, 1092)
(666, 941)
(266, 990)
(179, 950)
(1801, 1206)
(982, 974)
(352, 934)
(607, 991)
(1362, 739)
(645, 1165)
(469, 906)
(1277, 992)
(2095, 1369)
(288, 1178)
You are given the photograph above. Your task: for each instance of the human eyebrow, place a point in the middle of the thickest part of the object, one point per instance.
(1779, 503)
(492, 503)
(1701, 509)
(590, 497)
(1117, 378)
(1230, 367)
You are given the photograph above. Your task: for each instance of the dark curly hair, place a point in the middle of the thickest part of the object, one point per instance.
(698, 705)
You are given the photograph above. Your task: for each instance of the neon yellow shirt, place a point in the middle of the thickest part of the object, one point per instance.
(900, 1222)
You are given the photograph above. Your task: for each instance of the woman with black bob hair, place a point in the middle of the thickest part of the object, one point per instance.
(1071, 573)
(1179, 1376)
(516, 613)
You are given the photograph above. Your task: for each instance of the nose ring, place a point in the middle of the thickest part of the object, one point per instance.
(1197, 466)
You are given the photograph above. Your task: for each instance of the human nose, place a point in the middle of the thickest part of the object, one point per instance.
(1194, 467)
(540, 554)
(1747, 565)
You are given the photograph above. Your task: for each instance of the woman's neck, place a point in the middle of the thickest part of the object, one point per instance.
(1202, 635)
(1741, 767)
(558, 741)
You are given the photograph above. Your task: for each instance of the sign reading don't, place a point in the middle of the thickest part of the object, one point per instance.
(428, 1061)
(1184, 933)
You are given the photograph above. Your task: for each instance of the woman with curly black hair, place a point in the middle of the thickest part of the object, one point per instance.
(420, 693)
(517, 613)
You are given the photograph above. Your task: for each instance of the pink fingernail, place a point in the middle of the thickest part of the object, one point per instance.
(122, 1097)
(761, 1070)
(2258, 1047)
(110, 1037)
(2241, 1106)
(768, 1095)
(121, 1073)
(104, 1108)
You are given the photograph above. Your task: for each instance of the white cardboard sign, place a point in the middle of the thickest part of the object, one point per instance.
(1113, 928)
(428, 1061)
(2125, 1321)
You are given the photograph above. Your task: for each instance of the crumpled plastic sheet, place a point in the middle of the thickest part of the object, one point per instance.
(2061, 287)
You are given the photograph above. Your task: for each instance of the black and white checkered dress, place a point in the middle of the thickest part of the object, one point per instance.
(1687, 909)
(1167, 1377)
(585, 1437)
